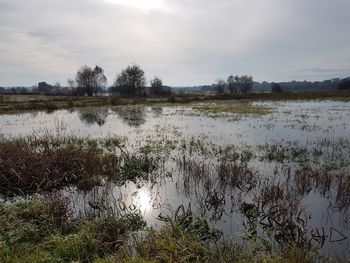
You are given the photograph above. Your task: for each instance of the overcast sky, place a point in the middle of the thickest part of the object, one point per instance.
(185, 42)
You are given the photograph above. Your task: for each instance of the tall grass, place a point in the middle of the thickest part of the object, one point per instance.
(33, 164)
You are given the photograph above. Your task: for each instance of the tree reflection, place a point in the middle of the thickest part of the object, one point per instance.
(133, 116)
(92, 116)
(157, 111)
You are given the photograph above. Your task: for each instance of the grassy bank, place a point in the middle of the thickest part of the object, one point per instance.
(17, 103)
(43, 229)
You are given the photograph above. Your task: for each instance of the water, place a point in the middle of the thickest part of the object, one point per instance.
(306, 124)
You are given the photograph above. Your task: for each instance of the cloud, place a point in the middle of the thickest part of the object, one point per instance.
(185, 42)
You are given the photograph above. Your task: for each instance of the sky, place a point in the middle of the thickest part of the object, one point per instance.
(184, 42)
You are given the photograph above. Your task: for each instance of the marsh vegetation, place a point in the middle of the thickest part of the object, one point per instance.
(219, 181)
(24, 103)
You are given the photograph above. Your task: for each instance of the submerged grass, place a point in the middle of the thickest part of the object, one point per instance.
(241, 108)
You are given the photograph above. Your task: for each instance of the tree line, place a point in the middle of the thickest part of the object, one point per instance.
(237, 84)
(234, 84)
(131, 81)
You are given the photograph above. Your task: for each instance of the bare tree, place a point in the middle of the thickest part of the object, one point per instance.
(57, 88)
(156, 86)
(238, 84)
(246, 83)
(73, 87)
(130, 80)
(90, 81)
(220, 86)
(233, 84)
(100, 80)
(71, 83)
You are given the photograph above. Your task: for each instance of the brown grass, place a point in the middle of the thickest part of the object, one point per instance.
(24, 170)
(15, 103)
(236, 174)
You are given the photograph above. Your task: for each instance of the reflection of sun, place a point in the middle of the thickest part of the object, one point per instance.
(144, 200)
(140, 4)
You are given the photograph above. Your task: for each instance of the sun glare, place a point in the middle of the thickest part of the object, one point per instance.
(145, 5)
(144, 200)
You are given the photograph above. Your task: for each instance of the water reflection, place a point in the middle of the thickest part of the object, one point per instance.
(143, 200)
(258, 197)
(134, 116)
(157, 111)
(94, 116)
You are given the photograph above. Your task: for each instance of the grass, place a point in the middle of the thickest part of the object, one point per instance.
(27, 168)
(31, 164)
(238, 108)
(321, 166)
(236, 174)
(18, 103)
(43, 229)
(326, 155)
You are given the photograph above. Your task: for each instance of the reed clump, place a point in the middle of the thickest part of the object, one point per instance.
(236, 174)
(29, 165)
(27, 170)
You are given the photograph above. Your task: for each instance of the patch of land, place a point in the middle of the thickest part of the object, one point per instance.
(18, 103)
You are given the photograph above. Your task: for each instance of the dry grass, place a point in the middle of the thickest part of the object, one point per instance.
(236, 174)
(16, 103)
(241, 108)
(24, 170)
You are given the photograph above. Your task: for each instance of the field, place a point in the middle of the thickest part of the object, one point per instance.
(190, 178)
(17, 103)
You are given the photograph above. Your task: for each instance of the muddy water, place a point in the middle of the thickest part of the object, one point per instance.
(303, 123)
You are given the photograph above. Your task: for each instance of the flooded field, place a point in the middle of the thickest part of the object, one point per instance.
(264, 172)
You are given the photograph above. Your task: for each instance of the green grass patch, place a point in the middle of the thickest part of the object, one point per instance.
(43, 229)
(241, 108)
(20, 103)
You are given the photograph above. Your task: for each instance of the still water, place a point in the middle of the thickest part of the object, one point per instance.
(321, 126)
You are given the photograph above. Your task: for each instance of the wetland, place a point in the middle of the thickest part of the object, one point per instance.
(211, 181)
